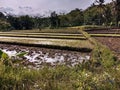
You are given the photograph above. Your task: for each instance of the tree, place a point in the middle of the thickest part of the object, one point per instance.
(101, 9)
(101, 1)
(108, 14)
(92, 15)
(15, 22)
(26, 22)
(117, 12)
(64, 21)
(38, 23)
(54, 20)
(4, 25)
(2, 16)
(76, 17)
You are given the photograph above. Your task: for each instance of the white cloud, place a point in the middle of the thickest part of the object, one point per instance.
(42, 6)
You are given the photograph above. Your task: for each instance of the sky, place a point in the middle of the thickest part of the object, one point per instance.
(43, 6)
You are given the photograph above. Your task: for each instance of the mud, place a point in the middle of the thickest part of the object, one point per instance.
(37, 56)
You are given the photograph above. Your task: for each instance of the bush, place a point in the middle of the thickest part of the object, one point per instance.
(4, 25)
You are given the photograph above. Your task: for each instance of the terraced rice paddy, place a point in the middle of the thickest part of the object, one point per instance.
(55, 39)
(38, 56)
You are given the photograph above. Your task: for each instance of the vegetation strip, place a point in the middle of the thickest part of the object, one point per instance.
(38, 33)
(43, 41)
(52, 31)
(49, 46)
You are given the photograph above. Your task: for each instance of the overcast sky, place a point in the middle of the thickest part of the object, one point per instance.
(43, 6)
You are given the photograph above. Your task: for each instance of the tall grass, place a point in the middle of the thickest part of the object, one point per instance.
(91, 75)
(81, 77)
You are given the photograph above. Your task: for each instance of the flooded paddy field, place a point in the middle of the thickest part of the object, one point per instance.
(38, 56)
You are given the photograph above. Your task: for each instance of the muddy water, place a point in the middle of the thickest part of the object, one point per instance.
(40, 56)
